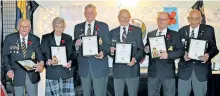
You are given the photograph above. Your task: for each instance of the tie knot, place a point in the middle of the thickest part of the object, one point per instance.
(160, 33)
(23, 39)
(89, 25)
(124, 28)
(193, 30)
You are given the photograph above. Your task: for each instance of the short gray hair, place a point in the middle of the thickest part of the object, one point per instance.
(90, 6)
(58, 20)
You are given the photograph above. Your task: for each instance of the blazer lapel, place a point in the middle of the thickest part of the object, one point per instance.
(19, 44)
(154, 33)
(53, 42)
(117, 34)
(82, 30)
(129, 33)
(62, 41)
(201, 31)
(29, 45)
(187, 33)
(94, 29)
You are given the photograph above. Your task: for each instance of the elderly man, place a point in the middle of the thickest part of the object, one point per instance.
(161, 71)
(59, 78)
(20, 46)
(127, 73)
(192, 73)
(93, 69)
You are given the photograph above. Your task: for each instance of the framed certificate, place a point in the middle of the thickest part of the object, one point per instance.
(123, 53)
(58, 55)
(28, 64)
(90, 45)
(197, 48)
(157, 45)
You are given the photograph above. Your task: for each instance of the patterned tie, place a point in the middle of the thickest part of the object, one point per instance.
(24, 47)
(89, 30)
(192, 35)
(124, 35)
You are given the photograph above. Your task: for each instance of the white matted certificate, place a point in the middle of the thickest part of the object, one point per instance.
(123, 53)
(196, 48)
(89, 45)
(28, 65)
(58, 55)
(157, 45)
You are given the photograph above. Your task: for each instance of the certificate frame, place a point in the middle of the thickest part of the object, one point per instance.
(121, 44)
(96, 43)
(191, 44)
(155, 56)
(62, 54)
(28, 67)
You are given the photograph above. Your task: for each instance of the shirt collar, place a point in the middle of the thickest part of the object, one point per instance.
(92, 23)
(195, 29)
(164, 31)
(125, 27)
(26, 37)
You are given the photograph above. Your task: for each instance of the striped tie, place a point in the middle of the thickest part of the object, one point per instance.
(124, 35)
(24, 47)
(193, 34)
(89, 30)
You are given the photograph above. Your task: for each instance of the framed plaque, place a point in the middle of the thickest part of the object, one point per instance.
(58, 55)
(197, 48)
(90, 45)
(123, 53)
(28, 64)
(157, 45)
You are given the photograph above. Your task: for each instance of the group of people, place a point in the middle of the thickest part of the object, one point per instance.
(94, 70)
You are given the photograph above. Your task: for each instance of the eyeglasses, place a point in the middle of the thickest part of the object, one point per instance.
(161, 19)
(194, 19)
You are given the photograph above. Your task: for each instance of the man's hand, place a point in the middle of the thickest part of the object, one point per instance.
(204, 57)
(100, 55)
(133, 61)
(49, 62)
(10, 74)
(78, 42)
(147, 49)
(186, 57)
(68, 65)
(40, 66)
(112, 49)
(163, 55)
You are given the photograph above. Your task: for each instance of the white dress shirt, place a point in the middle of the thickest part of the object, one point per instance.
(122, 30)
(26, 39)
(57, 39)
(196, 31)
(92, 27)
(164, 32)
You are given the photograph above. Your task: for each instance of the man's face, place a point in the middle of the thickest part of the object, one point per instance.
(162, 20)
(194, 19)
(59, 28)
(90, 14)
(124, 18)
(24, 28)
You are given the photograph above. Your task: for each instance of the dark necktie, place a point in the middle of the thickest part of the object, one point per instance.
(160, 33)
(193, 34)
(124, 35)
(24, 47)
(89, 30)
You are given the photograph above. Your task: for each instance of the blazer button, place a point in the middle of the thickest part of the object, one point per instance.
(194, 62)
